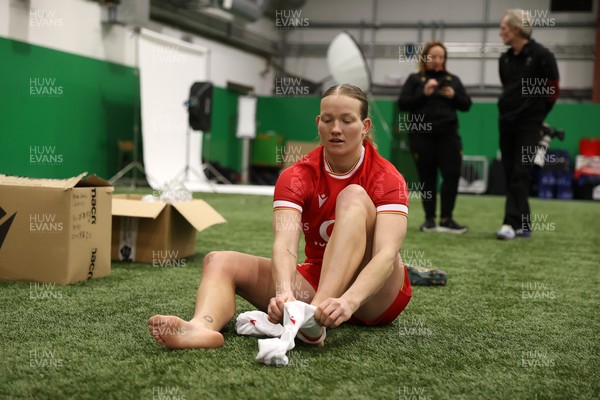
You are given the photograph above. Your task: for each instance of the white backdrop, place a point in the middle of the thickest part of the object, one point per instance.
(168, 68)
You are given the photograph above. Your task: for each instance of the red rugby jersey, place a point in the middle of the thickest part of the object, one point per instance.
(311, 187)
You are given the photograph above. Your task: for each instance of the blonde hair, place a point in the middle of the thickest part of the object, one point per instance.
(518, 18)
(355, 92)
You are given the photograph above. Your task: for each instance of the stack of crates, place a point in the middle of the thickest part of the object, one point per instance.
(473, 175)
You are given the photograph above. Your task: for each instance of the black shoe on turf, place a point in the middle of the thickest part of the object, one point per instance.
(450, 226)
(428, 226)
(420, 276)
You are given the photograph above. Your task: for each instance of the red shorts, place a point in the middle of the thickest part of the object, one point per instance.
(312, 273)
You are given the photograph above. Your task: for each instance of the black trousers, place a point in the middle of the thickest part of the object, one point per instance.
(517, 144)
(432, 152)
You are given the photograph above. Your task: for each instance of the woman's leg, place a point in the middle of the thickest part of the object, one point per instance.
(349, 250)
(422, 147)
(449, 154)
(224, 274)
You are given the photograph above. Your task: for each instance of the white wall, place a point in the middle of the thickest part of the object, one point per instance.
(574, 74)
(75, 26)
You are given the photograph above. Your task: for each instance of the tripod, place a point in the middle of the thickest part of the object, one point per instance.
(205, 165)
(134, 165)
(208, 166)
(198, 120)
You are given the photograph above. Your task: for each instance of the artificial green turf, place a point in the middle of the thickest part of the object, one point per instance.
(518, 320)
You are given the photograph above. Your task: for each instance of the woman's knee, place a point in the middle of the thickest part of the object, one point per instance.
(353, 197)
(217, 260)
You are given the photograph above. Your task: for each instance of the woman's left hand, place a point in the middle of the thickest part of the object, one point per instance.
(332, 312)
(447, 92)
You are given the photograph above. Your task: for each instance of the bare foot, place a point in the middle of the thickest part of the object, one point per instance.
(175, 333)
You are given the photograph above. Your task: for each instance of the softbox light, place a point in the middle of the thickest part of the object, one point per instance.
(347, 63)
(200, 106)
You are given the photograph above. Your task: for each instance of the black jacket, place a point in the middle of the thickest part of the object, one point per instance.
(529, 84)
(436, 109)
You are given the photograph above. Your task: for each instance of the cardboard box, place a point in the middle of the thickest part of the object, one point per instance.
(158, 232)
(54, 230)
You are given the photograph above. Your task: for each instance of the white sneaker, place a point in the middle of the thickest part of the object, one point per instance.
(505, 233)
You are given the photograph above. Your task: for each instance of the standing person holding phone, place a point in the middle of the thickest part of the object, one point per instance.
(432, 95)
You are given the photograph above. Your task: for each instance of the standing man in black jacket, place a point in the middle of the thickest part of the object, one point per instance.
(432, 95)
(529, 77)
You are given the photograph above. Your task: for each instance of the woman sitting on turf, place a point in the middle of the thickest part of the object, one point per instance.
(353, 272)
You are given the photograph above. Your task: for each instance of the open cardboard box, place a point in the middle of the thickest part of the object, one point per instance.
(54, 230)
(156, 232)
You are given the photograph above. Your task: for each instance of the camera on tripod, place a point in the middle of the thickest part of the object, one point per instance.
(547, 130)
(548, 133)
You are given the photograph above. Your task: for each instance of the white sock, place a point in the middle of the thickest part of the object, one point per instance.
(296, 314)
(256, 323)
(311, 332)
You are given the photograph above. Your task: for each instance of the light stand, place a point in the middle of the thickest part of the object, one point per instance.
(193, 102)
(205, 165)
(208, 166)
(134, 165)
(246, 131)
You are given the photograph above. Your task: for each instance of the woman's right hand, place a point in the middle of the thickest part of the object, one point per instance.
(430, 86)
(275, 310)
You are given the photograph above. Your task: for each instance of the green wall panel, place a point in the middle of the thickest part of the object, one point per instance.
(60, 113)
(295, 119)
(220, 144)
(578, 121)
(479, 127)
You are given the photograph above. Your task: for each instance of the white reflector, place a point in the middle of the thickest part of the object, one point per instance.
(347, 64)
